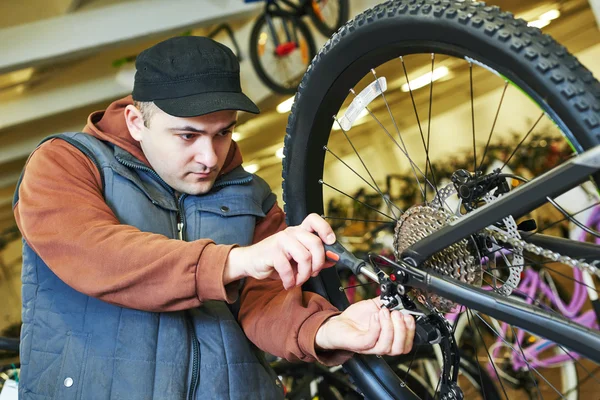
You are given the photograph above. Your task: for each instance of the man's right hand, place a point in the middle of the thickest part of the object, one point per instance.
(292, 255)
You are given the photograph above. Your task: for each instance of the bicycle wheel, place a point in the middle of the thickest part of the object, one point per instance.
(468, 42)
(281, 48)
(328, 15)
(424, 373)
(309, 381)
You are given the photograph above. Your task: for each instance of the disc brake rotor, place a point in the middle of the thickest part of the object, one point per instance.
(462, 260)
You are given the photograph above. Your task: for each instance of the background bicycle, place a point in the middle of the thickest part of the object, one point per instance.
(281, 43)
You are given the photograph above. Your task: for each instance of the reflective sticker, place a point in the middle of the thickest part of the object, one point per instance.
(361, 101)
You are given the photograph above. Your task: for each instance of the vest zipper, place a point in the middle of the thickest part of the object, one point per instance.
(180, 226)
(180, 216)
(233, 182)
(195, 366)
(195, 345)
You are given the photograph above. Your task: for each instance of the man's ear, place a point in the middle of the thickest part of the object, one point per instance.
(134, 121)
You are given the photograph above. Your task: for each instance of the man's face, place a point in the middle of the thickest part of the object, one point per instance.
(187, 153)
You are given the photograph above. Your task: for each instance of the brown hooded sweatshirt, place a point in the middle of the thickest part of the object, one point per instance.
(63, 217)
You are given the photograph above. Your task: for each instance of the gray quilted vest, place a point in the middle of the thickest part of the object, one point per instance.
(78, 347)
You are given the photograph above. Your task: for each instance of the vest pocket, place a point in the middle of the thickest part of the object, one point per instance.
(72, 367)
(224, 219)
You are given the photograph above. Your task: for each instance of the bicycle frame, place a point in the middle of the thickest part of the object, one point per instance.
(518, 202)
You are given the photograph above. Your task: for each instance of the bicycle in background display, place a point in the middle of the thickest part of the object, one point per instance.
(282, 45)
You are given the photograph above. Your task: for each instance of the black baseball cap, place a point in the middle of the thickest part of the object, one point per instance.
(189, 76)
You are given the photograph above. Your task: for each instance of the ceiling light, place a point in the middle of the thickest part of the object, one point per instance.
(252, 168)
(426, 79)
(363, 113)
(236, 136)
(539, 23)
(279, 152)
(544, 19)
(286, 106)
(550, 15)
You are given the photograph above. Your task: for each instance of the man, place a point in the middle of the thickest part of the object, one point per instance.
(144, 236)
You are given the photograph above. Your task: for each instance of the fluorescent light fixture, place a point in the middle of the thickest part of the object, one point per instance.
(252, 168)
(236, 136)
(550, 15)
(426, 79)
(363, 113)
(285, 106)
(545, 19)
(539, 23)
(279, 152)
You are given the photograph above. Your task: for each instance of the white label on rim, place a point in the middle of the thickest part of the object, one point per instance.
(361, 101)
(473, 61)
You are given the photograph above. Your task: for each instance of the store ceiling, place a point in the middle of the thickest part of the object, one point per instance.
(54, 93)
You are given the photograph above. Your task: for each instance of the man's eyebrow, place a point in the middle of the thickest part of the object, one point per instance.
(189, 128)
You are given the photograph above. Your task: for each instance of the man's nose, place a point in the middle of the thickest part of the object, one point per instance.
(205, 153)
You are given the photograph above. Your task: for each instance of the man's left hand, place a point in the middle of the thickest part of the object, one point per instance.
(367, 328)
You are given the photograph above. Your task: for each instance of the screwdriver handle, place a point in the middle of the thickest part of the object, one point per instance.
(342, 257)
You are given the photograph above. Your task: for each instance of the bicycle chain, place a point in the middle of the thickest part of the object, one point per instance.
(540, 251)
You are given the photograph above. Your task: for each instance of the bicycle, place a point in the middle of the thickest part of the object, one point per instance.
(9, 370)
(282, 45)
(443, 256)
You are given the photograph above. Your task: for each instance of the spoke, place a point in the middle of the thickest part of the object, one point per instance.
(401, 139)
(549, 269)
(427, 160)
(355, 199)
(526, 362)
(402, 149)
(355, 219)
(411, 363)
(568, 217)
(543, 265)
(429, 123)
(412, 163)
(473, 117)
(387, 200)
(437, 387)
(493, 125)
(469, 314)
(535, 301)
(515, 351)
(521, 142)
(363, 164)
(462, 308)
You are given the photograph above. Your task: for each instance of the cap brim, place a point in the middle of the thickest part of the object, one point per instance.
(206, 103)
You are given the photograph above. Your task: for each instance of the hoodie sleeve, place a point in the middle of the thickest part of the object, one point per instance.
(63, 217)
(284, 323)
